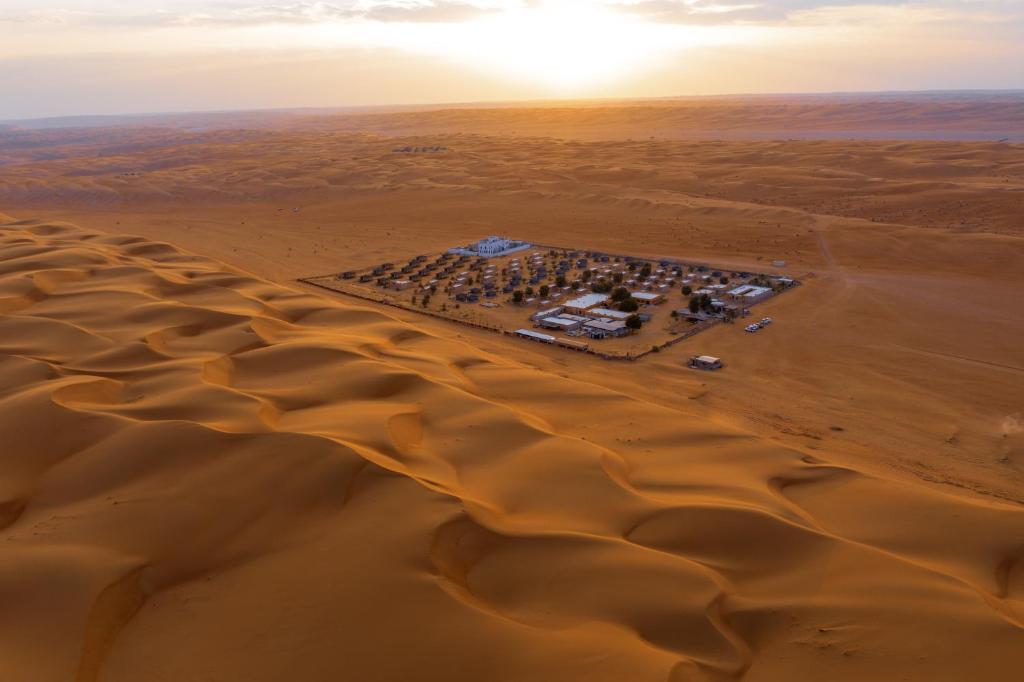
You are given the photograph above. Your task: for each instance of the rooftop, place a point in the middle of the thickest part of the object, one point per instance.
(607, 326)
(587, 301)
(535, 335)
(608, 312)
(559, 321)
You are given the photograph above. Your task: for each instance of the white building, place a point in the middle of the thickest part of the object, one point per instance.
(564, 324)
(585, 302)
(648, 297)
(488, 247)
(750, 292)
(492, 246)
(535, 336)
(705, 362)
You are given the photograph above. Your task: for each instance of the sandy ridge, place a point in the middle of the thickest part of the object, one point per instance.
(229, 450)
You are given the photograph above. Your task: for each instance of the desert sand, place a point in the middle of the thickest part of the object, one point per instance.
(212, 473)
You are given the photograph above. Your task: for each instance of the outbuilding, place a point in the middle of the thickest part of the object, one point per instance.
(647, 297)
(535, 336)
(707, 362)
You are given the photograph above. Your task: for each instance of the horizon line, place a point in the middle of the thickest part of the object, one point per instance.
(507, 103)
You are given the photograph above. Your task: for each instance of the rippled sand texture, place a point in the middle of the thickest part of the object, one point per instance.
(208, 477)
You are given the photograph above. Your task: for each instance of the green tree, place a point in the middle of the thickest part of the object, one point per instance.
(694, 304)
(560, 281)
(621, 294)
(517, 296)
(617, 277)
(544, 290)
(705, 302)
(687, 290)
(634, 322)
(629, 305)
(724, 280)
(645, 271)
(529, 291)
(586, 275)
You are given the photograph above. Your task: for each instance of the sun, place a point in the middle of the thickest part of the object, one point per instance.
(568, 43)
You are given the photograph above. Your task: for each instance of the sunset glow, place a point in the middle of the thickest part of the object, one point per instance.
(117, 56)
(566, 43)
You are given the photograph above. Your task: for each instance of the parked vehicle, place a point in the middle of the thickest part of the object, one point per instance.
(766, 321)
(753, 327)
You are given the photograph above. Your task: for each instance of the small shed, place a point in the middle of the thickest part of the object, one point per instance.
(707, 362)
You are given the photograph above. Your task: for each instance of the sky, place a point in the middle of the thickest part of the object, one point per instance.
(77, 57)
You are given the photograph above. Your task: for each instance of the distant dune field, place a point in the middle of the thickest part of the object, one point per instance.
(211, 472)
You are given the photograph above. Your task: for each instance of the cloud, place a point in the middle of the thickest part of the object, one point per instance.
(782, 11)
(222, 14)
(442, 12)
(115, 14)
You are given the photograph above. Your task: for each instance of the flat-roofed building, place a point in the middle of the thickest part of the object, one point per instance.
(648, 297)
(705, 362)
(535, 336)
(584, 303)
(560, 323)
(550, 312)
(608, 313)
(600, 329)
(750, 292)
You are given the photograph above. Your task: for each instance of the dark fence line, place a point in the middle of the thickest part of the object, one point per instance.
(496, 330)
(393, 304)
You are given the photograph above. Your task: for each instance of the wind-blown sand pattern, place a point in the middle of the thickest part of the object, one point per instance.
(206, 476)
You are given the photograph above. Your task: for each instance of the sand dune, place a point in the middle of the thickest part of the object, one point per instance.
(207, 476)
(907, 117)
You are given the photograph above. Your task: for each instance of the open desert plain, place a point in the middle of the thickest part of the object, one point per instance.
(211, 470)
